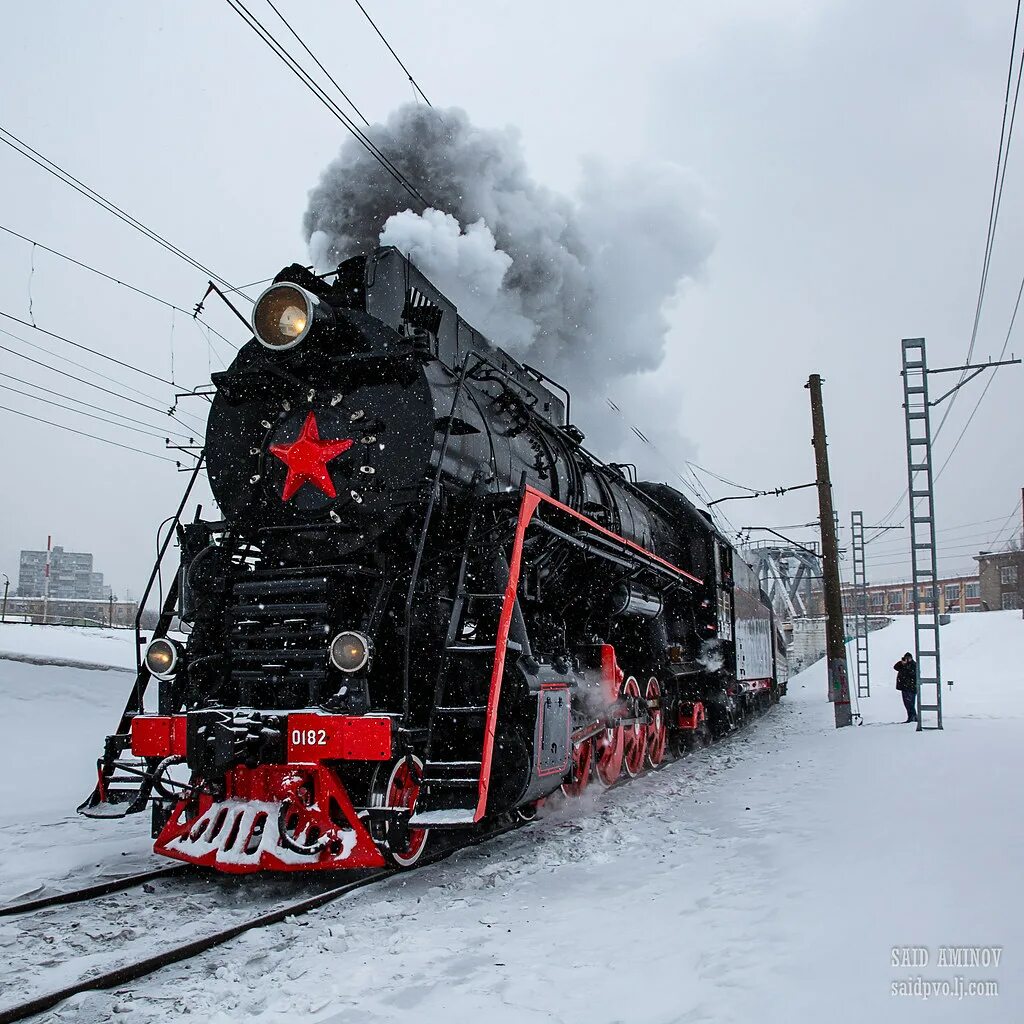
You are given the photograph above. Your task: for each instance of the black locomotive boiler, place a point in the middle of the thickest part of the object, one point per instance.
(426, 606)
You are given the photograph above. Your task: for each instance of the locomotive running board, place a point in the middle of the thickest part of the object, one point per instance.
(599, 538)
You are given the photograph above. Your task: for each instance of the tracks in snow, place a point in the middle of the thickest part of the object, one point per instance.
(157, 937)
(102, 971)
(90, 892)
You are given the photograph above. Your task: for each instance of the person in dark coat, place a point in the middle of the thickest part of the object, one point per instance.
(906, 683)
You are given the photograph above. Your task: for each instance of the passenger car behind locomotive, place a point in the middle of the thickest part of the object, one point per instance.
(427, 605)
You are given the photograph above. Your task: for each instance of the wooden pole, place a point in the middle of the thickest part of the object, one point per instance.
(835, 632)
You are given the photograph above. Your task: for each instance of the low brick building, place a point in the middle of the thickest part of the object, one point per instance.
(954, 594)
(69, 611)
(1001, 575)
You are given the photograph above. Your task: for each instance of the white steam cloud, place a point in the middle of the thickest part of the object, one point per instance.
(469, 267)
(578, 287)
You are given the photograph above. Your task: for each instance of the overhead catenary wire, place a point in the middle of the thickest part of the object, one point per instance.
(82, 412)
(71, 376)
(1005, 138)
(999, 177)
(988, 383)
(993, 222)
(82, 433)
(116, 280)
(88, 369)
(969, 540)
(408, 73)
(1011, 518)
(321, 94)
(89, 405)
(316, 60)
(898, 543)
(973, 413)
(86, 348)
(11, 140)
(96, 373)
(701, 498)
(722, 479)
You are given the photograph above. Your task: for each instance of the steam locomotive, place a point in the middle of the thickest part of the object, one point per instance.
(427, 605)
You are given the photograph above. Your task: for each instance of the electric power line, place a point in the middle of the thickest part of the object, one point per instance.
(316, 60)
(995, 203)
(997, 188)
(88, 405)
(900, 544)
(102, 376)
(82, 412)
(988, 383)
(94, 437)
(1002, 529)
(722, 479)
(408, 74)
(86, 348)
(71, 376)
(318, 91)
(116, 280)
(8, 138)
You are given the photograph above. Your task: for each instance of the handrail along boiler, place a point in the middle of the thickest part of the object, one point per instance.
(427, 605)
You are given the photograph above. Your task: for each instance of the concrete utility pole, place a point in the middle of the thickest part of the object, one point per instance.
(835, 633)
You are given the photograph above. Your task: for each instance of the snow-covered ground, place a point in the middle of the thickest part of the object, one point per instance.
(766, 879)
(54, 720)
(88, 645)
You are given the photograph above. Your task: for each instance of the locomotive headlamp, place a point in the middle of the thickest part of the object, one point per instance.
(162, 657)
(350, 651)
(284, 314)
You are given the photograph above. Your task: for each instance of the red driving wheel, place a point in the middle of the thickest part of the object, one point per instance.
(657, 730)
(610, 748)
(635, 734)
(582, 763)
(405, 846)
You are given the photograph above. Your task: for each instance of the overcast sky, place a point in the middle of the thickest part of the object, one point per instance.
(843, 150)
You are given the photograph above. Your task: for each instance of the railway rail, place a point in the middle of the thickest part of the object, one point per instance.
(143, 966)
(90, 892)
(139, 968)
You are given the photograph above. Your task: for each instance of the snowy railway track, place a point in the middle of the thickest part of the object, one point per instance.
(91, 892)
(127, 972)
(123, 973)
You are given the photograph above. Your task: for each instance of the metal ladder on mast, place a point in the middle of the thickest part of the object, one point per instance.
(860, 605)
(922, 533)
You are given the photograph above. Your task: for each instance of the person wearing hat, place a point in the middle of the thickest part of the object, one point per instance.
(906, 683)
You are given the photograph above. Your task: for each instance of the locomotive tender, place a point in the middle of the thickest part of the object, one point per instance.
(427, 605)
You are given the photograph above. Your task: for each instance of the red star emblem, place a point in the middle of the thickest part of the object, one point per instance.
(307, 458)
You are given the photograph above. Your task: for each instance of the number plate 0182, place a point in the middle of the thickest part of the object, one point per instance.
(315, 737)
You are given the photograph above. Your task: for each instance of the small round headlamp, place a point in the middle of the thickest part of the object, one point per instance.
(283, 316)
(350, 651)
(162, 657)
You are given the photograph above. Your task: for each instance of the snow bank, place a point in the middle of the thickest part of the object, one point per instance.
(54, 721)
(94, 646)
